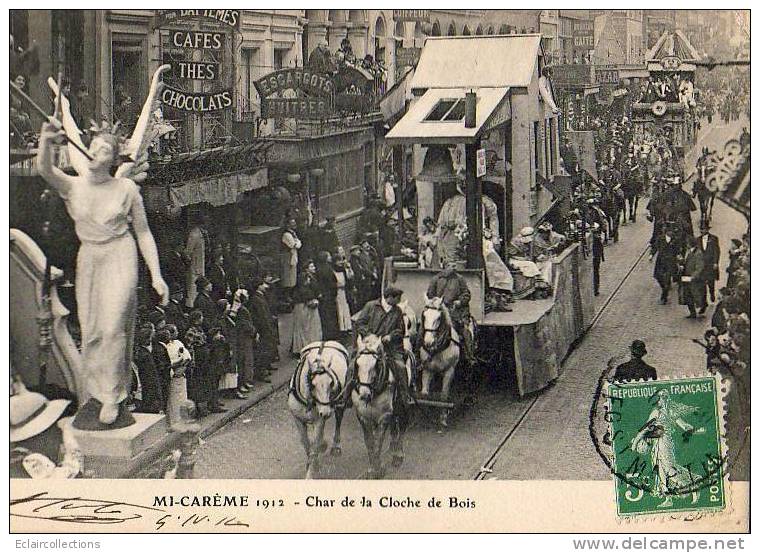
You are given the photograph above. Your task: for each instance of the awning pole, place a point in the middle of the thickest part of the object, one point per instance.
(473, 205)
(400, 198)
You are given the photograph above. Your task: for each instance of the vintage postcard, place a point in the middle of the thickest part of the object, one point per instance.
(372, 270)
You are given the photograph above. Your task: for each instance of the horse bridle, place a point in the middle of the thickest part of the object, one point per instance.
(431, 308)
(381, 377)
(310, 384)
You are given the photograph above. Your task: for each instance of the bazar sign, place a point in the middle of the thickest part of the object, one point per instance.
(231, 18)
(411, 15)
(196, 102)
(607, 76)
(295, 79)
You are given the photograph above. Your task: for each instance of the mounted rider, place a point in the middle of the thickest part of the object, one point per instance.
(383, 318)
(452, 288)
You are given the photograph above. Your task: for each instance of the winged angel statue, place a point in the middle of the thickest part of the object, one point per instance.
(103, 205)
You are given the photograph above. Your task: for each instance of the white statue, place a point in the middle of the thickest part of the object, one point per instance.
(103, 207)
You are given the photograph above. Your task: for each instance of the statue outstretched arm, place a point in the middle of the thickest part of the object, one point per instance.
(52, 174)
(147, 246)
(78, 161)
(137, 148)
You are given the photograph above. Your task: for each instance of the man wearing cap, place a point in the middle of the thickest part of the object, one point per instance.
(151, 384)
(710, 247)
(266, 350)
(204, 302)
(692, 282)
(383, 317)
(452, 288)
(636, 368)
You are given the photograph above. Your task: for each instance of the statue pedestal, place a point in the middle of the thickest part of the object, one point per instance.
(124, 452)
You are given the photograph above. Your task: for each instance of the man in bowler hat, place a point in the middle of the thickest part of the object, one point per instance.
(636, 368)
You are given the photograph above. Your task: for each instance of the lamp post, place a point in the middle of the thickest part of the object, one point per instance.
(317, 172)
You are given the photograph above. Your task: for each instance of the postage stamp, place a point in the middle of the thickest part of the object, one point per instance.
(667, 443)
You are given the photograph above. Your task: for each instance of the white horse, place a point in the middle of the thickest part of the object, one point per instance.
(377, 404)
(440, 349)
(319, 388)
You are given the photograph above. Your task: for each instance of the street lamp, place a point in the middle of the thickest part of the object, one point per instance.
(317, 172)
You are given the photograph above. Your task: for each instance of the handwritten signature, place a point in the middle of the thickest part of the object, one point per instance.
(85, 510)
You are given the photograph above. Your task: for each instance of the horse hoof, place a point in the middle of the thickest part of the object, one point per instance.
(336, 451)
(397, 461)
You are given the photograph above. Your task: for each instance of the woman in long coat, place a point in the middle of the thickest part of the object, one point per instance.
(344, 276)
(307, 327)
(328, 289)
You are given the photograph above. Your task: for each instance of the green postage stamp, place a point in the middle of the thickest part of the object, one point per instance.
(668, 452)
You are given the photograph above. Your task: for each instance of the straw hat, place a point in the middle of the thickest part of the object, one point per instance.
(32, 413)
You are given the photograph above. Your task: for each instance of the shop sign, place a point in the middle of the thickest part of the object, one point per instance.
(198, 40)
(298, 79)
(230, 18)
(194, 70)
(407, 56)
(196, 102)
(422, 16)
(306, 94)
(480, 165)
(583, 35)
(607, 75)
(578, 74)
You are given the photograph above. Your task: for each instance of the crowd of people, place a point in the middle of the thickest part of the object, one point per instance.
(220, 333)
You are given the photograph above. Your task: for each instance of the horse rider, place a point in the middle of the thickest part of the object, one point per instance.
(452, 288)
(383, 318)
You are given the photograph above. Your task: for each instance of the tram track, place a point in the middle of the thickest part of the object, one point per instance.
(487, 467)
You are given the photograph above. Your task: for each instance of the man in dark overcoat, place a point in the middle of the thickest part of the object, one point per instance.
(710, 247)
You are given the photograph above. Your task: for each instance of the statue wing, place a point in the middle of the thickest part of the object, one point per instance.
(78, 160)
(137, 147)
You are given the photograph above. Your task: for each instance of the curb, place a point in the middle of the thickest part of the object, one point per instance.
(234, 412)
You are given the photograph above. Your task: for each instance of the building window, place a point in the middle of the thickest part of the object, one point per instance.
(129, 74)
(279, 58)
(249, 58)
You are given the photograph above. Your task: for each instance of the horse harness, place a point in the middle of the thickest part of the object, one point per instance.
(379, 384)
(340, 394)
(443, 335)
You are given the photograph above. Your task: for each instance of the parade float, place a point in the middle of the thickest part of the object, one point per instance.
(667, 105)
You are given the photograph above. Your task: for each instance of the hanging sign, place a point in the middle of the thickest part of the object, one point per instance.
(607, 76)
(307, 94)
(196, 102)
(480, 165)
(194, 70)
(230, 18)
(197, 40)
(407, 56)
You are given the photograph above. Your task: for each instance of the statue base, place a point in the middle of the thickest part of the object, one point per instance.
(88, 417)
(127, 451)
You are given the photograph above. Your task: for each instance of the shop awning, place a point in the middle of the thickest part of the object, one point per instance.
(478, 61)
(435, 117)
